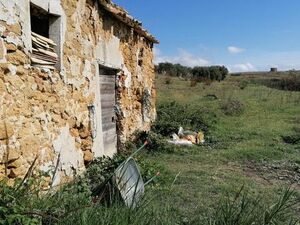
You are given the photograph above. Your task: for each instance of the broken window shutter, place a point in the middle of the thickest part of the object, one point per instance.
(43, 53)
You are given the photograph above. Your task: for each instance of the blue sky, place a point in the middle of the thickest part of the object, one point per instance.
(244, 35)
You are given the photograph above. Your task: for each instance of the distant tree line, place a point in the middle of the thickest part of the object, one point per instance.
(176, 70)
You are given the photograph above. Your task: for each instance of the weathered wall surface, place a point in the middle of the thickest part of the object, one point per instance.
(44, 114)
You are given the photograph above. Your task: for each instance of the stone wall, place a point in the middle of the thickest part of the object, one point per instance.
(44, 114)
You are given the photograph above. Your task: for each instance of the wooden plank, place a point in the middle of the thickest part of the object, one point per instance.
(107, 86)
(109, 133)
(42, 62)
(108, 101)
(108, 105)
(107, 79)
(44, 39)
(110, 138)
(108, 126)
(108, 113)
(110, 92)
(108, 118)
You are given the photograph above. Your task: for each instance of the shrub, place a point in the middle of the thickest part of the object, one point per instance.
(233, 108)
(287, 82)
(243, 84)
(293, 138)
(156, 142)
(100, 172)
(168, 80)
(171, 116)
(204, 80)
(194, 82)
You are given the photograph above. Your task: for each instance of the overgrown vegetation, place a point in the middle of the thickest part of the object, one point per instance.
(233, 107)
(197, 73)
(74, 204)
(89, 199)
(290, 82)
(242, 209)
(287, 81)
(172, 115)
(294, 138)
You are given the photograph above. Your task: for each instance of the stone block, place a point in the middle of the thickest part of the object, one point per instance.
(17, 58)
(43, 4)
(2, 51)
(6, 130)
(88, 156)
(13, 155)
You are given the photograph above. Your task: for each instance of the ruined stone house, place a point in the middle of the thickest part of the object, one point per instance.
(76, 81)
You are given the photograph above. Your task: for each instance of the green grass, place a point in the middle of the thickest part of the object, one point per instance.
(211, 171)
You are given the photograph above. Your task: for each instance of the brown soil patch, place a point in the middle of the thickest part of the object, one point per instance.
(274, 173)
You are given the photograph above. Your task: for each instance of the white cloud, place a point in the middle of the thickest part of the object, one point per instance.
(235, 50)
(183, 57)
(244, 67)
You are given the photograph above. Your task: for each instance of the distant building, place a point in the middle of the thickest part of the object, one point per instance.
(274, 70)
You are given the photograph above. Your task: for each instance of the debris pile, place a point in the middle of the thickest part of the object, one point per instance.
(43, 53)
(187, 138)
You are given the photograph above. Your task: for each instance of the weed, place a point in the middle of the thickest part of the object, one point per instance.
(244, 210)
(293, 138)
(168, 80)
(156, 142)
(171, 116)
(194, 82)
(233, 108)
(243, 84)
(100, 172)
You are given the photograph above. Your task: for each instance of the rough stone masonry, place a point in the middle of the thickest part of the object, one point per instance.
(46, 113)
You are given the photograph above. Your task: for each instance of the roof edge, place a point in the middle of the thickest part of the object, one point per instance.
(122, 15)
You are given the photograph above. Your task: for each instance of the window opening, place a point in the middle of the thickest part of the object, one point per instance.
(44, 49)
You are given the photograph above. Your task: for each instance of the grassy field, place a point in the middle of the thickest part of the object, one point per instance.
(245, 150)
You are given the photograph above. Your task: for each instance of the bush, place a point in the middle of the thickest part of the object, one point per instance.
(171, 116)
(176, 70)
(194, 82)
(100, 172)
(156, 142)
(293, 138)
(233, 108)
(287, 82)
(168, 80)
(243, 84)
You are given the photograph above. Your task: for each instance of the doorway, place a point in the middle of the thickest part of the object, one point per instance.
(108, 101)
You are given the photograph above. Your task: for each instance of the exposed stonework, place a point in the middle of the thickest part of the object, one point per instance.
(45, 114)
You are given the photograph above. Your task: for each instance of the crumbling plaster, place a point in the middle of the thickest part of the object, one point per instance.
(47, 112)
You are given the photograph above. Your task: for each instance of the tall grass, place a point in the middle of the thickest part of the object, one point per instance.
(242, 209)
(74, 204)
